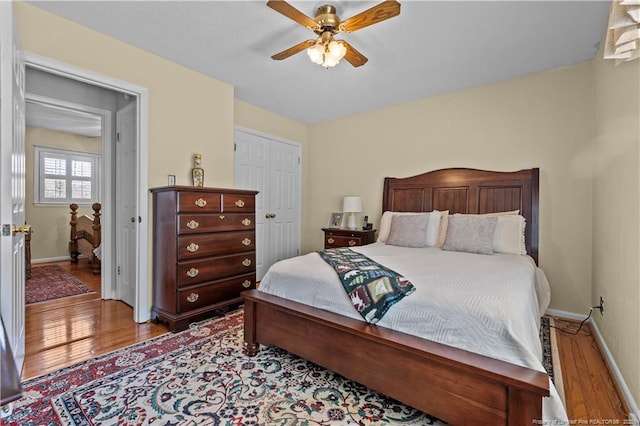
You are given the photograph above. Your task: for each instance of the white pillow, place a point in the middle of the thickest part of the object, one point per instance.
(433, 226)
(509, 235)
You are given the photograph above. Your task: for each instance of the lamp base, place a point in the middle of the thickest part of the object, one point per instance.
(352, 224)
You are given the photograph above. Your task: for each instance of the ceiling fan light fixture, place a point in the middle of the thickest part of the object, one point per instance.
(337, 49)
(327, 52)
(316, 53)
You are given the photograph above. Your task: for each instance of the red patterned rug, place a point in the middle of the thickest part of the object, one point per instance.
(200, 376)
(52, 282)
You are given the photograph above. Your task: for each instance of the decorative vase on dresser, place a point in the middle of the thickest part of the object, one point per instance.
(203, 252)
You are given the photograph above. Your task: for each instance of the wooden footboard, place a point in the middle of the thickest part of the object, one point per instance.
(454, 385)
(85, 236)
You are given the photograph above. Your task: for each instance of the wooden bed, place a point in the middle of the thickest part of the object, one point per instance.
(455, 385)
(85, 236)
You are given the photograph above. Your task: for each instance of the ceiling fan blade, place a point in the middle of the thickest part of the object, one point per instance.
(354, 57)
(292, 13)
(383, 11)
(293, 50)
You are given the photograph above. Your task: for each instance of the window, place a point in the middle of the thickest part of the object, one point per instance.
(63, 176)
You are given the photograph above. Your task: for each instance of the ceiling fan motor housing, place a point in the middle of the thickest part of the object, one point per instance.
(327, 19)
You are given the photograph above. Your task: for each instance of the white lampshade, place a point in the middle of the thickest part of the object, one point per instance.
(352, 205)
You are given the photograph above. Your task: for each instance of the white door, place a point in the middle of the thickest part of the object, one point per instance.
(125, 204)
(284, 201)
(12, 186)
(271, 167)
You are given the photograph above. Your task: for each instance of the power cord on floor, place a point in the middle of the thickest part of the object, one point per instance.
(581, 323)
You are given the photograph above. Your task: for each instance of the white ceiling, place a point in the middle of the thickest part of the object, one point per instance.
(63, 119)
(432, 47)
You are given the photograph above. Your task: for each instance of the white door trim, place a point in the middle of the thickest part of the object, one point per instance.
(141, 309)
(107, 291)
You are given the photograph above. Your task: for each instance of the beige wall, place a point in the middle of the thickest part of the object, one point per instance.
(616, 213)
(543, 120)
(50, 238)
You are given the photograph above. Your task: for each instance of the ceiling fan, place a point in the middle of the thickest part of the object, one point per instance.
(325, 50)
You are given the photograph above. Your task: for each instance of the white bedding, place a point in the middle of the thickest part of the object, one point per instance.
(487, 304)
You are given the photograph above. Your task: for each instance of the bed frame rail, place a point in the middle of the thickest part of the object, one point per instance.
(452, 384)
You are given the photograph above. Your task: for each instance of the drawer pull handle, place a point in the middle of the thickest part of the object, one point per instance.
(193, 247)
(201, 202)
(352, 242)
(221, 217)
(246, 222)
(240, 203)
(331, 241)
(246, 284)
(246, 262)
(192, 297)
(193, 272)
(192, 224)
(246, 242)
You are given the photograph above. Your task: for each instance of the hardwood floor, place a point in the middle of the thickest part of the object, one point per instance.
(590, 392)
(63, 332)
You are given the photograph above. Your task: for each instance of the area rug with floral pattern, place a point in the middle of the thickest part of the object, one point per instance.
(201, 376)
(52, 282)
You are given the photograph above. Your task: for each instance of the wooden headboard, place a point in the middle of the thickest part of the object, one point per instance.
(469, 191)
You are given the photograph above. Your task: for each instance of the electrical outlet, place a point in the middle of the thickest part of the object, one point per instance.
(601, 307)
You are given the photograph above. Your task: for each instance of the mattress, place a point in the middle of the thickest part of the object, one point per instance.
(486, 304)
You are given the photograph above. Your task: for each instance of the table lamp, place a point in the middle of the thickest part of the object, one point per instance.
(352, 205)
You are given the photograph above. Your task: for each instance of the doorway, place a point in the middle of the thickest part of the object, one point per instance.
(109, 188)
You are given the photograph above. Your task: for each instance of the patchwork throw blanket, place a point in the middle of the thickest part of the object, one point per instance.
(372, 288)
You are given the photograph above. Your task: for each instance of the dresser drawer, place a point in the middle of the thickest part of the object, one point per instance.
(238, 203)
(209, 269)
(203, 202)
(196, 246)
(214, 292)
(199, 223)
(333, 241)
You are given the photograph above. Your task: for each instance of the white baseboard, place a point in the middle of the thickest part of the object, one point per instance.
(617, 375)
(50, 259)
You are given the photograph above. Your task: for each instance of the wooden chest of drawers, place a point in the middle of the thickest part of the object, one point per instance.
(203, 252)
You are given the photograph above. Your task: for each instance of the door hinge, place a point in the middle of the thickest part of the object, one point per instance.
(298, 160)
(118, 270)
(117, 136)
(6, 230)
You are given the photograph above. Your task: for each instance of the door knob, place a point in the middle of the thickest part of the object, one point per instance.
(25, 229)
(133, 220)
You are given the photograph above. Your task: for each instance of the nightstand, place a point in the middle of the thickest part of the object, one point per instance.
(342, 237)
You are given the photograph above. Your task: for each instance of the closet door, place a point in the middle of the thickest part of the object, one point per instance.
(271, 167)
